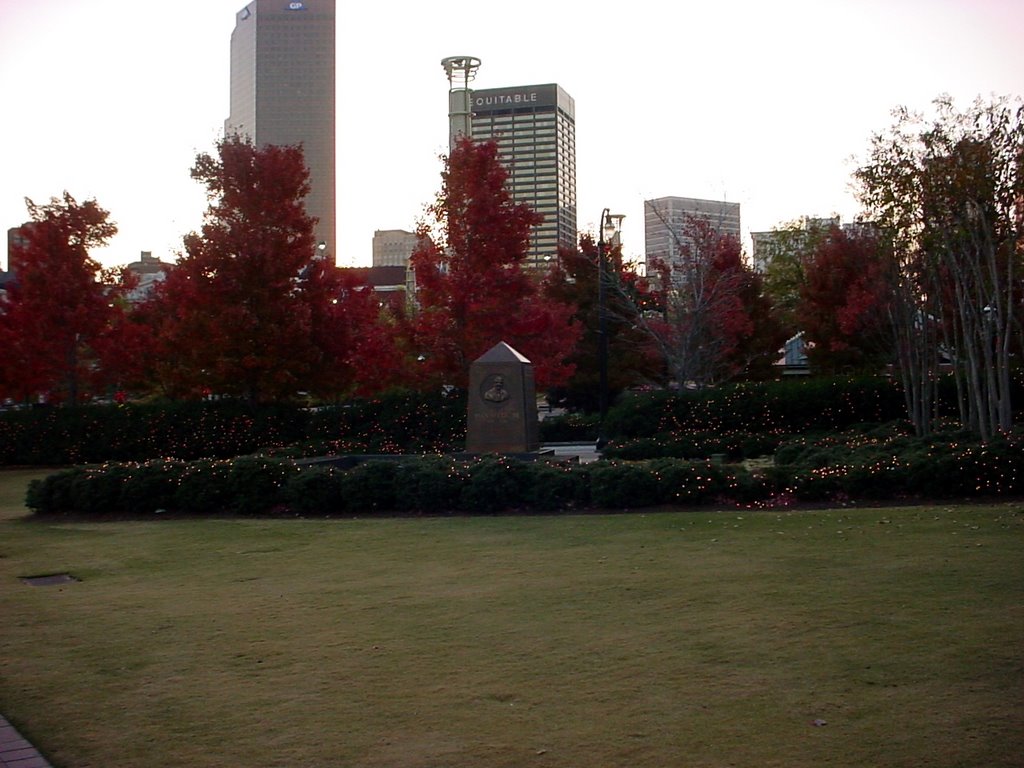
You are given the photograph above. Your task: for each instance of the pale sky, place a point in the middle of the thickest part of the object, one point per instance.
(768, 104)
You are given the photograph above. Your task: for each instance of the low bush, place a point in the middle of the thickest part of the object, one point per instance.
(396, 423)
(431, 484)
(693, 445)
(152, 486)
(495, 484)
(370, 487)
(771, 408)
(557, 487)
(570, 428)
(846, 467)
(315, 490)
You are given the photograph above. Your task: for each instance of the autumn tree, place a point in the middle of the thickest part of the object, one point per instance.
(356, 333)
(844, 302)
(60, 304)
(235, 314)
(715, 322)
(472, 290)
(632, 357)
(786, 251)
(948, 191)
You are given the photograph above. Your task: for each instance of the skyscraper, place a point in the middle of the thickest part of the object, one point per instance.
(665, 220)
(282, 90)
(535, 129)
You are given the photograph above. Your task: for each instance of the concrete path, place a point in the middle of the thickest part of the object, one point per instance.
(15, 752)
(586, 452)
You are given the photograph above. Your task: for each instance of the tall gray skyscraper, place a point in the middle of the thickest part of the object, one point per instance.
(535, 129)
(282, 91)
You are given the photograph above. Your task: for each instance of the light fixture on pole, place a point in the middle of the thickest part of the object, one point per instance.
(608, 230)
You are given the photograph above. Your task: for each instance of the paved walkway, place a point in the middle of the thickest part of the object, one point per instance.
(586, 452)
(15, 752)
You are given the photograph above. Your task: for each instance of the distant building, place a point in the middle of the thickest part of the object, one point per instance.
(150, 271)
(799, 236)
(393, 247)
(17, 239)
(665, 220)
(282, 91)
(388, 281)
(535, 130)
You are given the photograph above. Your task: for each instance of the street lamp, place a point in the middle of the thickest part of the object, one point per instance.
(608, 230)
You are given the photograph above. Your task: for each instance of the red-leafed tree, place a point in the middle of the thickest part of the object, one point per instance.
(355, 332)
(235, 317)
(715, 322)
(126, 348)
(632, 358)
(844, 302)
(59, 304)
(472, 291)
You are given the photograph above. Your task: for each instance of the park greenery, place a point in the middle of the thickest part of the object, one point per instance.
(755, 609)
(928, 284)
(850, 636)
(753, 445)
(256, 353)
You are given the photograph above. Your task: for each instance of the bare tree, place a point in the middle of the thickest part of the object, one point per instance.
(705, 327)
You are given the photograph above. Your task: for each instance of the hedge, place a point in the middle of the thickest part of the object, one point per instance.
(393, 423)
(849, 467)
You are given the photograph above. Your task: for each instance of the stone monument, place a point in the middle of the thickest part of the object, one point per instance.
(502, 403)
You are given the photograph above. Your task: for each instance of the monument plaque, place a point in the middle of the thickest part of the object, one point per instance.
(502, 403)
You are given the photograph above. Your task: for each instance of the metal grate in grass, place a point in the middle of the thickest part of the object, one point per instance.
(49, 579)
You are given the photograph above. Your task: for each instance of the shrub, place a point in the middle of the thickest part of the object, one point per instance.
(315, 490)
(430, 484)
(494, 484)
(570, 428)
(204, 488)
(615, 485)
(555, 487)
(151, 486)
(370, 487)
(53, 493)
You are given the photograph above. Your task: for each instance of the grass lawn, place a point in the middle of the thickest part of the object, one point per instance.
(659, 639)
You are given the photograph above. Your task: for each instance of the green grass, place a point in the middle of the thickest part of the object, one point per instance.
(660, 639)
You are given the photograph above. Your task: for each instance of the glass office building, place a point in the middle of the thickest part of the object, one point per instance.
(535, 129)
(282, 91)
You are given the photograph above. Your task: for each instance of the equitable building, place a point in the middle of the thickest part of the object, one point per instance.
(535, 130)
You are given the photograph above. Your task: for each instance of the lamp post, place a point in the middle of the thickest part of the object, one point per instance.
(607, 230)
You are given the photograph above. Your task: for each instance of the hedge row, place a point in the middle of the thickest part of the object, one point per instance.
(696, 444)
(774, 408)
(398, 422)
(888, 468)
(424, 485)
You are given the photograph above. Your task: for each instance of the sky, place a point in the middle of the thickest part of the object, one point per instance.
(768, 104)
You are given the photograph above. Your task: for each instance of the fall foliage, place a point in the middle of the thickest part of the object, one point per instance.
(632, 357)
(233, 316)
(472, 289)
(714, 322)
(844, 302)
(60, 305)
(948, 192)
